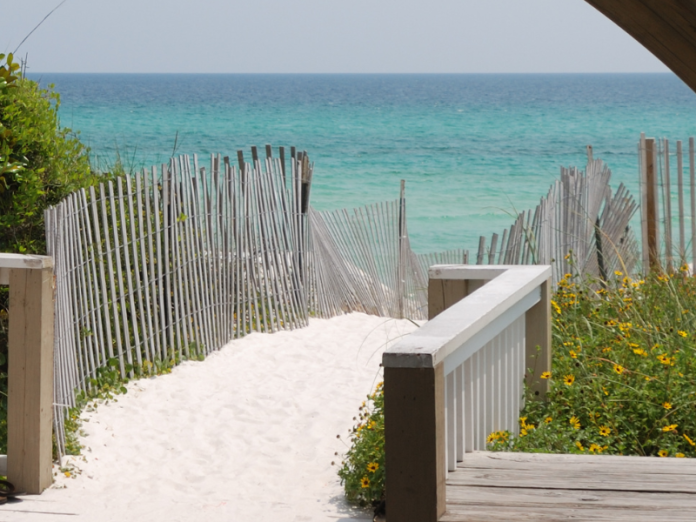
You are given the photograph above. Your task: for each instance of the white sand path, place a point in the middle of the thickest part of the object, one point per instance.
(247, 435)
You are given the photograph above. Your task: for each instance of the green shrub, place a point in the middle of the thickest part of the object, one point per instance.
(622, 380)
(40, 164)
(362, 469)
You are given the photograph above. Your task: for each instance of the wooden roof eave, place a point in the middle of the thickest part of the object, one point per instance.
(667, 28)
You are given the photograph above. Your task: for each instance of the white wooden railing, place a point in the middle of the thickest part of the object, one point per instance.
(460, 377)
(30, 370)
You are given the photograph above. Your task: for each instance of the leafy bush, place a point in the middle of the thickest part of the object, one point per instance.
(362, 469)
(622, 380)
(40, 164)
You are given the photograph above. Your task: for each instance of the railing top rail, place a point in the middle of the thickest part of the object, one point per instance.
(25, 261)
(446, 333)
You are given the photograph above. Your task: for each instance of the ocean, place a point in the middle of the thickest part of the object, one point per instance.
(473, 149)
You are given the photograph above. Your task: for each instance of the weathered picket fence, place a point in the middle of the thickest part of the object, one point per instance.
(175, 262)
(364, 262)
(580, 227)
(662, 208)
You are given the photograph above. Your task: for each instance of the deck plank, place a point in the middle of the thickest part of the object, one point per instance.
(502, 486)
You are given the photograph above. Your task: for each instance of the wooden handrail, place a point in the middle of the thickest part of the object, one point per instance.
(459, 377)
(30, 370)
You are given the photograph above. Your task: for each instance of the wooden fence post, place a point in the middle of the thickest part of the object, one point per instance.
(30, 378)
(401, 270)
(414, 412)
(538, 334)
(651, 217)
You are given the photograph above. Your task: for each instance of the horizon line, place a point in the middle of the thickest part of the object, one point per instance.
(367, 73)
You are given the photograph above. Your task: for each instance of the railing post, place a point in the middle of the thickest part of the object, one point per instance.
(30, 377)
(538, 343)
(414, 413)
(443, 293)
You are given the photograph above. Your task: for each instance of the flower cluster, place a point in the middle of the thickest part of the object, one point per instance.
(622, 379)
(362, 469)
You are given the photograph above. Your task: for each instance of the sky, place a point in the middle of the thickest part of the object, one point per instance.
(320, 36)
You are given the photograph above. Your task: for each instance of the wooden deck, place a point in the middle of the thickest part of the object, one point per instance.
(523, 487)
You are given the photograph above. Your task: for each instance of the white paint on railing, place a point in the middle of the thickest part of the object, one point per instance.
(482, 394)
(480, 341)
(452, 330)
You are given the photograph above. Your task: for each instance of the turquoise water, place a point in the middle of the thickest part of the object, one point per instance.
(472, 148)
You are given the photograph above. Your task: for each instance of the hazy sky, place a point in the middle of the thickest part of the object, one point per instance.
(320, 36)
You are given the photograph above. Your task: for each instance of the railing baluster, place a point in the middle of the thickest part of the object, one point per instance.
(459, 393)
(451, 416)
(469, 406)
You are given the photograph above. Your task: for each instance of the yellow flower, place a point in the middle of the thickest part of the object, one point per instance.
(556, 307)
(67, 474)
(546, 375)
(618, 273)
(372, 467)
(640, 351)
(579, 445)
(663, 453)
(682, 333)
(671, 427)
(667, 405)
(689, 440)
(667, 361)
(568, 380)
(523, 432)
(573, 355)
(596, 448)
(502, 436)
(371, 425)
(619, 369)
(548, 420)
(365, 482)
(575, 422)
(604, 431)
(680, 455)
